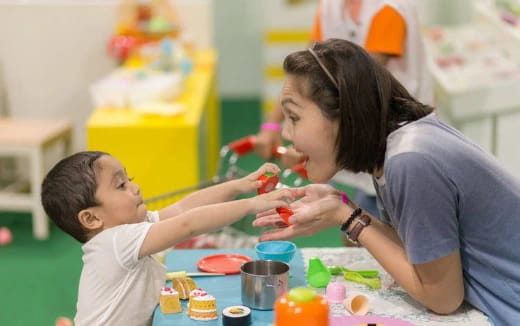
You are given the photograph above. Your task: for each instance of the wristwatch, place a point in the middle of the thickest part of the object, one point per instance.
(361, 223)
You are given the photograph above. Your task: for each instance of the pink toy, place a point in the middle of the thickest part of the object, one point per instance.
(63, 321)
(6, 237)
(335, 292)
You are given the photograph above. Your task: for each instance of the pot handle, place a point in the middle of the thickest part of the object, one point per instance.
(280, 283)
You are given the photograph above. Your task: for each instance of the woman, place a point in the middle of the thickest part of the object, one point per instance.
(450, 212)
(387, 29)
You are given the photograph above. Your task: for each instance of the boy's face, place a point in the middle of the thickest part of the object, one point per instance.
(120, 199)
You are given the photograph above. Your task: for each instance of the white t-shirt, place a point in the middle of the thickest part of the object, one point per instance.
(117, 288)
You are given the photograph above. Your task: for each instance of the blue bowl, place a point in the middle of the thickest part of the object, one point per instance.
(276, 250)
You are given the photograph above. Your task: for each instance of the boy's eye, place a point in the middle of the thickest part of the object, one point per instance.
(122, 185)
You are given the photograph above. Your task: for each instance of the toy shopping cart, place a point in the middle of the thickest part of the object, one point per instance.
(233, 163)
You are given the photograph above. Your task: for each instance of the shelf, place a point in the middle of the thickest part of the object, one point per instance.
(487, 13)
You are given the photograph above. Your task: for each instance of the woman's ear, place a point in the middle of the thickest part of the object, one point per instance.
(89, 220)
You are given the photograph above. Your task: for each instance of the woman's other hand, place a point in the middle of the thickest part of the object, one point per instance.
(319, 208)
(291, 158)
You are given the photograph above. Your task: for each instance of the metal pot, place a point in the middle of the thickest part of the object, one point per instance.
(262, 282)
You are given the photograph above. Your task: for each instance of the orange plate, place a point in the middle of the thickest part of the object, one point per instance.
(222, 263)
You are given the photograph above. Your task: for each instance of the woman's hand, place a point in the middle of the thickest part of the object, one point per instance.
(250, 183)
(265, 141)
(291, 157)
(319, 208)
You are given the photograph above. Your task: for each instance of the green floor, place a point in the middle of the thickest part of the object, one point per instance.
(38, 279)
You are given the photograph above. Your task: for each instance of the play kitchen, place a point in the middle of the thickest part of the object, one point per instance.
(235, 289)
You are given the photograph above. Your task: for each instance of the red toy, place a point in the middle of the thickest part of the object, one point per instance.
(285, 213)
(120, 46)
(269, 182)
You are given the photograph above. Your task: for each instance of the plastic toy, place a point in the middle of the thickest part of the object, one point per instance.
(285, 213)
(301, 306)
(373, 283)
(356, 305)
(269, 182)
(120, 46)
(335, 292)
(276, 250)
(63, 321)
(337, 270)
(6, 237)
(318, 275)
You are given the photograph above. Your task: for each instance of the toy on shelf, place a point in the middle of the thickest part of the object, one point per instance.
(6, 237)
(151, 20)
(142, 22)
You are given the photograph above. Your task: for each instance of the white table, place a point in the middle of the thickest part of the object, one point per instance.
(390, 300)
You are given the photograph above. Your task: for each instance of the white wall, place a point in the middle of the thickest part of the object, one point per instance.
(51, 51)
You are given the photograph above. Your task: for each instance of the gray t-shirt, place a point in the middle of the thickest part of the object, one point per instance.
(442, 193)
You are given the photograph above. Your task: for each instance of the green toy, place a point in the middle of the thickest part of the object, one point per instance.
(318, 274)
(373, 283)
(337, 270)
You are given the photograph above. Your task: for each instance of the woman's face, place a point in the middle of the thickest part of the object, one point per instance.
(310, 132)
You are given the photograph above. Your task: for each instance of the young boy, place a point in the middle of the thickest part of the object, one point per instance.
(90, 196)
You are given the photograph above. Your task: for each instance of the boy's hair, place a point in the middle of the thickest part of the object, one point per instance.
(68, 188)
(368, 102)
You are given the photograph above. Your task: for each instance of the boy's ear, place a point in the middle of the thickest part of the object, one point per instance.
(89, 220)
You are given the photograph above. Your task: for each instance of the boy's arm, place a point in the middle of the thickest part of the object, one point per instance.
(208, 218)
(219, 193)
(211, 195)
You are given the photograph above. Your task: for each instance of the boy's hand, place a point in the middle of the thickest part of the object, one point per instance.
(251, 183)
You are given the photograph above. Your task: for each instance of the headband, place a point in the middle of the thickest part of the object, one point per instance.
(327, 72)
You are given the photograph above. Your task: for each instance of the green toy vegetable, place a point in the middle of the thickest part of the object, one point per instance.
(373, 283)
(337, 270)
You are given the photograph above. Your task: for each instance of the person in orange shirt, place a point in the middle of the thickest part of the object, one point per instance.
(390, 32)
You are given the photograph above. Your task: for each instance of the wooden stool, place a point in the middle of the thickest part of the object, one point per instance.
(31, 138)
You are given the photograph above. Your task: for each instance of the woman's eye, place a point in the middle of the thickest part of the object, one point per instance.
(293, 118)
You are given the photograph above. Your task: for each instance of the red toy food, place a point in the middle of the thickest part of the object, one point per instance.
(269, 182)
(285, 213)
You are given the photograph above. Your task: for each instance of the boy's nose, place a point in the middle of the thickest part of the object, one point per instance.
(137, 189)
(285, 131)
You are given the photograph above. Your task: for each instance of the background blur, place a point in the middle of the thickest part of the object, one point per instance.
(52, 52)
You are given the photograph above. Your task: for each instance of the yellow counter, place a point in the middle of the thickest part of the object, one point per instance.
(166, 153)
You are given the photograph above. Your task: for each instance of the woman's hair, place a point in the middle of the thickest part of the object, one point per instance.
(368, 101)
(68, 188)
